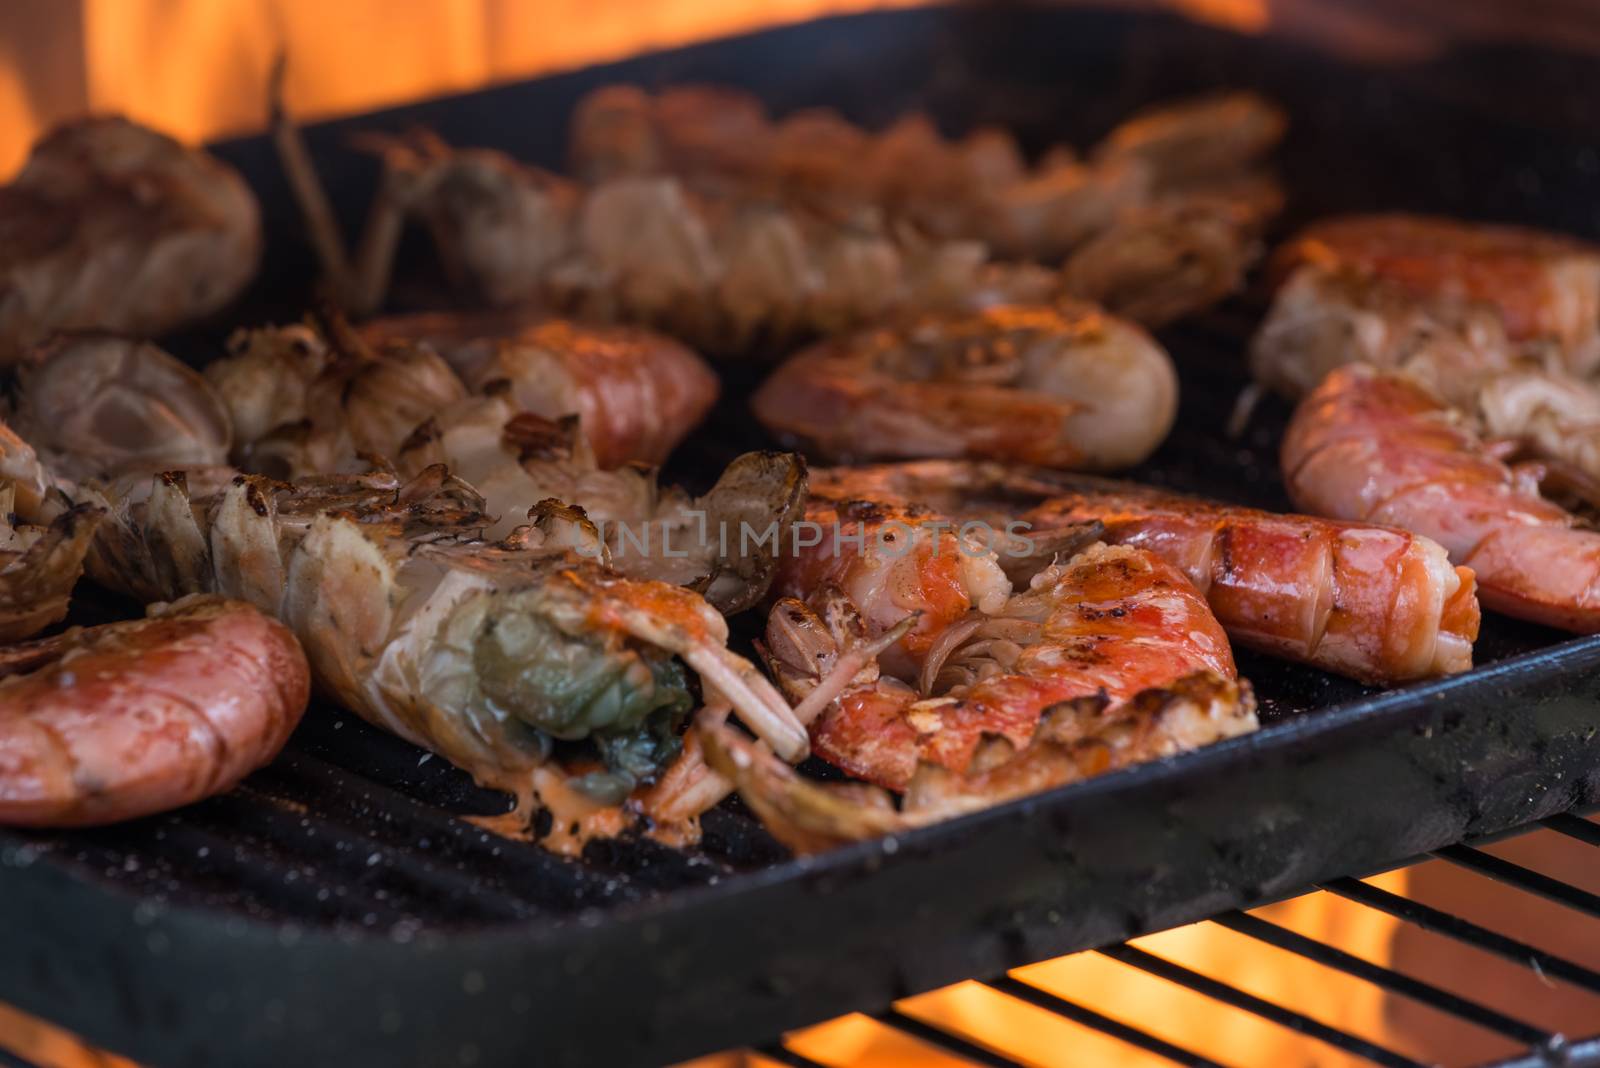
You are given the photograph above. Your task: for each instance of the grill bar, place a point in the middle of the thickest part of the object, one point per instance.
(1388, 979)
(1543, 1049)
(1431, 919)
(1574, 827)
(1202, 984)
(1516, 875)
(1033, 995)
(944, 1040)
(777, 1051)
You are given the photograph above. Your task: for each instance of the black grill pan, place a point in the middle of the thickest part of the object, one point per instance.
(333, 910)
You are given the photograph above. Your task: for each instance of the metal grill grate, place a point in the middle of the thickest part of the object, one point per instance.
(1540, 1047)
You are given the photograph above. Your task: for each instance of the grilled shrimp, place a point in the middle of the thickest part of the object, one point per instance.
(109, 723)
(534, 668)
(729, 268)
(44, 539)
(1107, 659)
(1064, 386)
(1543, 288)
(308, 401)
(724, 543)
(980, 187)
(637, 394)
(114, 226)
(1380, 447)
(1522, 393)
(1375, 603)
(96, 406)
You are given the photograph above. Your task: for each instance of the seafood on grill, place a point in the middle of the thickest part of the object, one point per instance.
(1375, 603)
(732, 269)
(525, 662)
(113, 226)
(719, 141)
(98, 406)
(44, 540)
(1542, 289)
(1063, 386)
(306, 400)
(724, 543)
(1498, 322)
(1107, 657)
(109, 408)
(636, 393)
(1378, 446)
(109, 723)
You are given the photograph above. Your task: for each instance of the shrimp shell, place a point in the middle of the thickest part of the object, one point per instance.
(1544, 287)
(1379, 447)
(482, 652)
(113, 226)
(1374, 603)
(123, 720)
(1065, 386)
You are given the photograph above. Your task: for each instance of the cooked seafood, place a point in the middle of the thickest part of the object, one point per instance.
(1380, 447)
(96, 406)
(636, 393)
(1065, 386)
(1543, 288)
(730, 269)
(43, 541)
(1375, 603)
(109, 723)
(1490, 319)
(529, 665)
(113, 226)
(109, 408)
(720, 140)
(308, 401)
(1107, 659)
(724, 543)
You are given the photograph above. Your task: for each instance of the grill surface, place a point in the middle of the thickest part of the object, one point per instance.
(335, 903)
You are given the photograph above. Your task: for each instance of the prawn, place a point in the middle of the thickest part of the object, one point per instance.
(980, 187)
(1523, 394)
(636, 393)
(526, 663)
(1374, 603)
(1106, 659)
(727, 269)
(1542, 288)
(109, 723)
(1380, 447)
(44, 540)
(113, 226)
(310, 401)
(1065, 386)
(723, 543)
(97, 406)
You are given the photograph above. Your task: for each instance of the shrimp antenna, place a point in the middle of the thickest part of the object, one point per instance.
(306, 186)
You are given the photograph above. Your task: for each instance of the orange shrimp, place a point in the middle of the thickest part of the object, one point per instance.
(127, 719)
(1112, 622)
(636, 393)
(891, 561)
(1380, 447)
(1061, 386)
(1108, 659)
(1544, 287)
(1377, 604)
